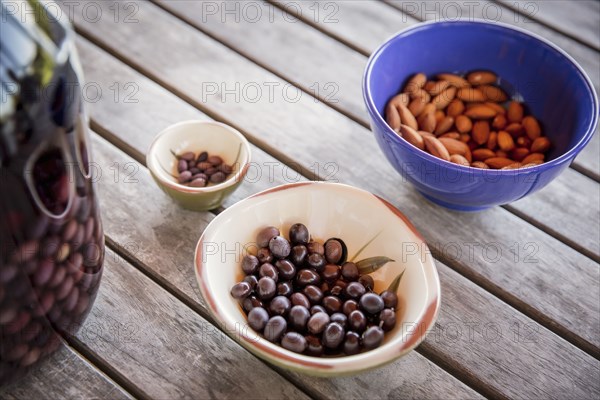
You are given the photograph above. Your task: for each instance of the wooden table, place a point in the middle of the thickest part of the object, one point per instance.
(520, 314)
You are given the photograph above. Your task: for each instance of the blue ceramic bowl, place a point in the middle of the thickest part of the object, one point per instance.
(556, 90)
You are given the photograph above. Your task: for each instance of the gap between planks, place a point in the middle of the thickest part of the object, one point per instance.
(542, 22)
(514, 302)
(85, 353)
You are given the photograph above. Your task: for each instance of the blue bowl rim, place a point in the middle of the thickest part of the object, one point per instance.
(573, 151)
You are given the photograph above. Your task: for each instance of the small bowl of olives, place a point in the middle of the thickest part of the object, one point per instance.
(199, 163)
(321, 278)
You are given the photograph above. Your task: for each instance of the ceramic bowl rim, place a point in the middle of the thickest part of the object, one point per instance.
(233, 180)
(317, 365)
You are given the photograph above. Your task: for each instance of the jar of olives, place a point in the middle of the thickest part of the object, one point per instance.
(52, 244)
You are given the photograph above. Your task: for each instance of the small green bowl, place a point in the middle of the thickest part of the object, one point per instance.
(196, 136)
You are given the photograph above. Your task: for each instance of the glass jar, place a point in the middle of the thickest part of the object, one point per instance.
(51, 238)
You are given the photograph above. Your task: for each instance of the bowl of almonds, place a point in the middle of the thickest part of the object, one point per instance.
(199, 163)
(477, 114)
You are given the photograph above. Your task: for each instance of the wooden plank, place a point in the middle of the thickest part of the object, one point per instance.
(64, 375)
(165, 253)
(164, 239)
(578, 19)
(362, 24)
(346, 67)
(161, 345)
(484, 338)
(266, 40)
(558, 205)
(557, 286)
(163, 236)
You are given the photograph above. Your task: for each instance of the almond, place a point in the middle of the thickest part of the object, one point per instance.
(444, 125)
(435, 147)
(492, 140)
(499, 109)
(465, 137)
(505, 141)
(392, 116)
(427, 121)
(532, 127)
(423, 133)
(533, 157)
(454, 146)
(515, 111)
(455, 80)
(412, 137)
(493, 93)
(501, 153)
(455, 108)
(482, 154)
(435, 88)
(499, 122)
(439, 115)
(498, 162)
(481, 111)
(442, 100)
(523, 141)
(515, 129)
(481, 78)
(416, 106)
(402, 98)
(470, 95)
(481, 132)
(540, 145)
(519, 153)
(421, 94)
(479, 164)
(429, 108)
(406, 117)
(415, 83)
(514, 165)
(468, 155)
(460, 160)
(451, 135)
(463, 124)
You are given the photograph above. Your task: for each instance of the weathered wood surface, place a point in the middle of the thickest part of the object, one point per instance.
(567, 211)
(485, 339)
(163, 247)
(578, 19)
(549, 288)
(318, 64)
(64, 375)
(162, 237)
(161, 345)
(344, 72)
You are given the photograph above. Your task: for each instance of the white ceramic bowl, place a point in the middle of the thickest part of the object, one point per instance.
(328, 210)
(215, 138)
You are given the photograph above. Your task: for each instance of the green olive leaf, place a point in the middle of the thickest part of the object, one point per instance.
(395, 283)
(372, 264)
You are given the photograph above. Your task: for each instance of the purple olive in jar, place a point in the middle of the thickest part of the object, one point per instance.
(50, 230)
